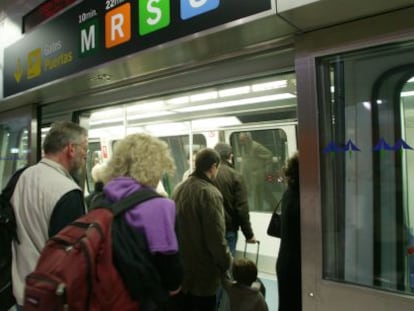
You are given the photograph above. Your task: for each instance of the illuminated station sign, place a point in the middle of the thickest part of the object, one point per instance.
(94, 32)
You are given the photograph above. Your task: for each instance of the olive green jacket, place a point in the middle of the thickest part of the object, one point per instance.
(201, 235)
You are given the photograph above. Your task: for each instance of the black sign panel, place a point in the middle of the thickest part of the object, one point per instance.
(98, 31)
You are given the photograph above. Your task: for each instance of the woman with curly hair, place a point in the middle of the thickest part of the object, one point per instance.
(288, 266)
(138, 162)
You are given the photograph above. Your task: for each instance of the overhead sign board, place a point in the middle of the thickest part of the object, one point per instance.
(96, 31)
(44, 11)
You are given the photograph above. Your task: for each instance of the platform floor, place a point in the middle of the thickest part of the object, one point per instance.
(270, 282)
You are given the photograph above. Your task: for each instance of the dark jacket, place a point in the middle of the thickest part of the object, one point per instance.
(245, 298)
(98, 189)
(288, 266)
(201, 235)
(236, 208)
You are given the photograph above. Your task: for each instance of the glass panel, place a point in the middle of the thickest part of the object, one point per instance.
(366, 167)
(200, 118)
(259, 156)
(15, 149)
(94, 157)
(23, 149)
(407, 118)
(179, 146)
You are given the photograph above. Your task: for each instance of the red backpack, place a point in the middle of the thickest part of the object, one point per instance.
(75, 270)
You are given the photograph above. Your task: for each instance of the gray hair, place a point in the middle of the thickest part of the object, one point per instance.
(61, 134)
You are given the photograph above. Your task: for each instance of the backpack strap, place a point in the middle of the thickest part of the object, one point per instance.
(7, 216)
(8, 190)
(135, 198)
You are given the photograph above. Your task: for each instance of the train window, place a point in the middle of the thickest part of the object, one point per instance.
(202, 117)
(179, 146)
(94, 156)
(23, 149)
(260, 156)
(367, 167)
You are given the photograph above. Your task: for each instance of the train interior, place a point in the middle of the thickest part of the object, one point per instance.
(191, 120)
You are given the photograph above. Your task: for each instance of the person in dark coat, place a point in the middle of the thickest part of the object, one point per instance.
(288, 266)
(236, 206)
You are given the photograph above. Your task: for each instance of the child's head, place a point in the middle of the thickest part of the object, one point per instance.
(244, 271)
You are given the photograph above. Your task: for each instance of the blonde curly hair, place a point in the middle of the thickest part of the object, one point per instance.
(141, 156)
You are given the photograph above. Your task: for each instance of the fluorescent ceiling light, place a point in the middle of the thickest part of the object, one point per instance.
(162, 129)
(148, 106)
(234, 91)
(203, 96)
(106, 120)
(108, 113)
(266, 86)
(178, 100)
(114, 132)
(240, 102)
(10, 32)
(150, 115)
(406, 94)
(215, 122)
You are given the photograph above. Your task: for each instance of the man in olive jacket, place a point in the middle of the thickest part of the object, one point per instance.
(201, 233)
(236, 208)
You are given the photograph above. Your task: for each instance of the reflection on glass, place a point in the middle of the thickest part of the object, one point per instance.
(407, 114)
(203, 117)
(14, 144)
(367, 199)
(260, 156)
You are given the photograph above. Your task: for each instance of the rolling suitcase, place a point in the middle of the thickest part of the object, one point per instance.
(258, 284)
(225, 304)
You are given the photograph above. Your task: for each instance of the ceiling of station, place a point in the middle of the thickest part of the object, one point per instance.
(15, 9)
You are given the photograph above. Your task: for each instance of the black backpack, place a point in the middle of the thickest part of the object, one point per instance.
(131, 255)
(8, 233)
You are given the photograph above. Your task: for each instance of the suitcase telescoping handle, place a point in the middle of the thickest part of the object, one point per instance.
(257, 250)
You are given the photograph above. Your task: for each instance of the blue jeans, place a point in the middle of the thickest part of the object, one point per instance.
(19, 308)
(231, 237)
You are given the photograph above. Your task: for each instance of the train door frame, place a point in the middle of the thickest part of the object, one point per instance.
(318, 293)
